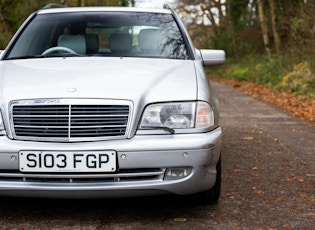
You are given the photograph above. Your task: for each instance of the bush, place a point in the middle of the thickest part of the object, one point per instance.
(239, 72)
(301, 80)
(255, 69)
(269, 71)
(272, 72)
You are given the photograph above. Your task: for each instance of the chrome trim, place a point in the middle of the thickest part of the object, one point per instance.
(70, 103)
(124, 175)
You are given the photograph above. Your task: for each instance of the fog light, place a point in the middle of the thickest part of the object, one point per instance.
(176, 173)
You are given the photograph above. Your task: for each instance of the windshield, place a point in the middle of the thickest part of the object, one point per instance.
(128, 34)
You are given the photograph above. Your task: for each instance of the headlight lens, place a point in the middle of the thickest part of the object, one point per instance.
(183, 115)
(205, 115)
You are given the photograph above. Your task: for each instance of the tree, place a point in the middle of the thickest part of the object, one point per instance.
(264, 26)
(13, 13)
(205, 20)
(274, 26)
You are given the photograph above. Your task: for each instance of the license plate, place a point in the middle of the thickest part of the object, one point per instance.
(50, 161)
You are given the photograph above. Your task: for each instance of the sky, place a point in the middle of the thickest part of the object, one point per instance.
(152, 3)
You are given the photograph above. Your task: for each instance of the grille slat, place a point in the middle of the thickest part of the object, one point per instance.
(68, 122)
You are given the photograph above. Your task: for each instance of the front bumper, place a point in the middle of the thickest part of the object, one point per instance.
(142, 163)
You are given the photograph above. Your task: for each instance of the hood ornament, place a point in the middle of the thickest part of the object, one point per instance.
(71, 90)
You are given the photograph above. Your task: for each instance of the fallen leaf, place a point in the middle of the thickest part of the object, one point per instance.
(248, 138)
(302, 195)
(237, 170)
(258, 191)
(180, 219)
(277, 200)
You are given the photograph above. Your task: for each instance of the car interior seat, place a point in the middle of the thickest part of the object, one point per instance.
(74, 42)
(120, 43)
(150, 41)
(92, 43)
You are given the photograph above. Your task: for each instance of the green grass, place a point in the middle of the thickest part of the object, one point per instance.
(296, 78)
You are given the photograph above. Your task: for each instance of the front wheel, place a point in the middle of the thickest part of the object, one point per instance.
(212, 195)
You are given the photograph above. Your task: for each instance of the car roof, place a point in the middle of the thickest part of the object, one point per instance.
(103, 9)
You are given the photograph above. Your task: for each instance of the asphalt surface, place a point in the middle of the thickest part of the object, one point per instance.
(268, 168)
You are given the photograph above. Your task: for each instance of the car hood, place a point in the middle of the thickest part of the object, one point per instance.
(135, 79)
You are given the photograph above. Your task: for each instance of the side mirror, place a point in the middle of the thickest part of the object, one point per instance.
(212, 57)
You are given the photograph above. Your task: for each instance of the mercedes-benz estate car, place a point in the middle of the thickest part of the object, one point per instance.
(101, 102)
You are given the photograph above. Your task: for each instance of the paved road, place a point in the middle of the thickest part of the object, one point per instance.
(268, 183)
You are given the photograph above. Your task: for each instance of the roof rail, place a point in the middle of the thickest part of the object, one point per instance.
(167, 6)
(54, 5)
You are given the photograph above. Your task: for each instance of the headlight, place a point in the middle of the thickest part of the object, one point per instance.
(185, 115)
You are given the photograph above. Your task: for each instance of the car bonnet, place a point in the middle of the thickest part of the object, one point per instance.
(135, 79)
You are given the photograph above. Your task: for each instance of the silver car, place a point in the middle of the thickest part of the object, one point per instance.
(107, 102)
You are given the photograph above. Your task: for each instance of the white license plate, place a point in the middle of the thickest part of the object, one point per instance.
(51, 161)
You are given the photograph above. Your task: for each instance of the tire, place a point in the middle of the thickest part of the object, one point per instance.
(212, 195)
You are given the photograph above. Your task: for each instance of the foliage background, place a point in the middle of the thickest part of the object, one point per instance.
(270, 42)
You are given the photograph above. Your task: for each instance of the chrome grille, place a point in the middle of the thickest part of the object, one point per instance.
(69, 122)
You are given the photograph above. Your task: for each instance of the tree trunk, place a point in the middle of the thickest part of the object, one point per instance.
(274, 27)
(82, 3)
(213, 22)
(264, 26)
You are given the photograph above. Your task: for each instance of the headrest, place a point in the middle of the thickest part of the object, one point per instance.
(73, 42)
(91, 43)
(120, 43)
(149, 39)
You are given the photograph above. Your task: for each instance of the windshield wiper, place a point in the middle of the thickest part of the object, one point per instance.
(25, 57)
(63, 55)
(46, 56)
(170, 130)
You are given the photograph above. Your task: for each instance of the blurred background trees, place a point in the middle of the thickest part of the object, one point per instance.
(266, 41)
(252, 26)
(271, 42)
